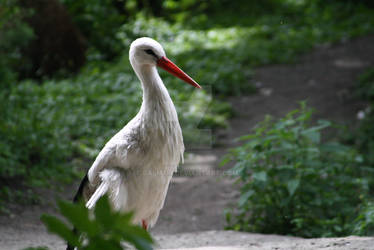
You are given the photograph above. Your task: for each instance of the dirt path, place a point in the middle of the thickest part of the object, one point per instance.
(195, 203)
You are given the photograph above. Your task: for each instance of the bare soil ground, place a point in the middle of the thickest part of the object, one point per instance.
(199, 193)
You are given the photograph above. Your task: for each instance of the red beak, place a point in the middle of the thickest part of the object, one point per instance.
(173, 69)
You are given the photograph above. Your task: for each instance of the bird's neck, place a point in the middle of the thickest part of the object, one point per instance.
(157, 103)
(158, 115)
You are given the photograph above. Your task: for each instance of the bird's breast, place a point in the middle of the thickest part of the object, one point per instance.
(158, 152)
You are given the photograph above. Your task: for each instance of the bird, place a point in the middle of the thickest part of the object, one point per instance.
(135, 166)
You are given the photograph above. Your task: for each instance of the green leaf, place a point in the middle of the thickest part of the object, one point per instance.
(101, 243)
(138, 237)
(77, 214)
(104, 214)
(312, 135)
(225, 160)
(260, 176)
(244, 197)
(292, 186)
(56, 226)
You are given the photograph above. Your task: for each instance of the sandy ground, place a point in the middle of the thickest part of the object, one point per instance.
(193, 212)
(205, 240)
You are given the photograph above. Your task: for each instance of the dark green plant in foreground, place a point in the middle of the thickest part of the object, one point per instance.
(107, 229)
(294, 183)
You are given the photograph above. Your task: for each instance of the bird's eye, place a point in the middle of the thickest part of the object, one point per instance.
(150, 52)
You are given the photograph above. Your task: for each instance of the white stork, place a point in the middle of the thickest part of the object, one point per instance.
(136, 165)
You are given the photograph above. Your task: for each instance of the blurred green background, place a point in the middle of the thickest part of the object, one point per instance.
(67, 86)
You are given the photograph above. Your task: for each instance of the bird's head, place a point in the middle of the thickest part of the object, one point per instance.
(146, 51)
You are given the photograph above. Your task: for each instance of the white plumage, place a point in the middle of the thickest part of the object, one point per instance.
(136, 165)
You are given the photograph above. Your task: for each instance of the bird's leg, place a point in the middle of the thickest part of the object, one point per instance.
(144, 225)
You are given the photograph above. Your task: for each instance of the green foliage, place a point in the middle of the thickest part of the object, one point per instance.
(365, 88)
(364, 224)
(99, 21)
(187, 11)
(107, 229)
(364, 135)
(222, 49)
(294, 183)
(33, 144)
(15, 35)
(330, 15)
(363, 139)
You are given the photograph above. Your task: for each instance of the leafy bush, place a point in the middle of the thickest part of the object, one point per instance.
(365, 88)
(15, 35)
(99, 21)
(291, 182)
(364, 135)
(364, 223)
(106, 230)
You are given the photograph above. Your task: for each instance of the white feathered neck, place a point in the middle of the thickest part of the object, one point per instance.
(157, 112)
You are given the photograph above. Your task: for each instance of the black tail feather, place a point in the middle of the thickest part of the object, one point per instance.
(79, 195)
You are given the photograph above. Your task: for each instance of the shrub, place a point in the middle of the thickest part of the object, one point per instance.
(106, 230)
(291, 182)
(99, 21)
(364, 135)
(364, 223)
(15, 35)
